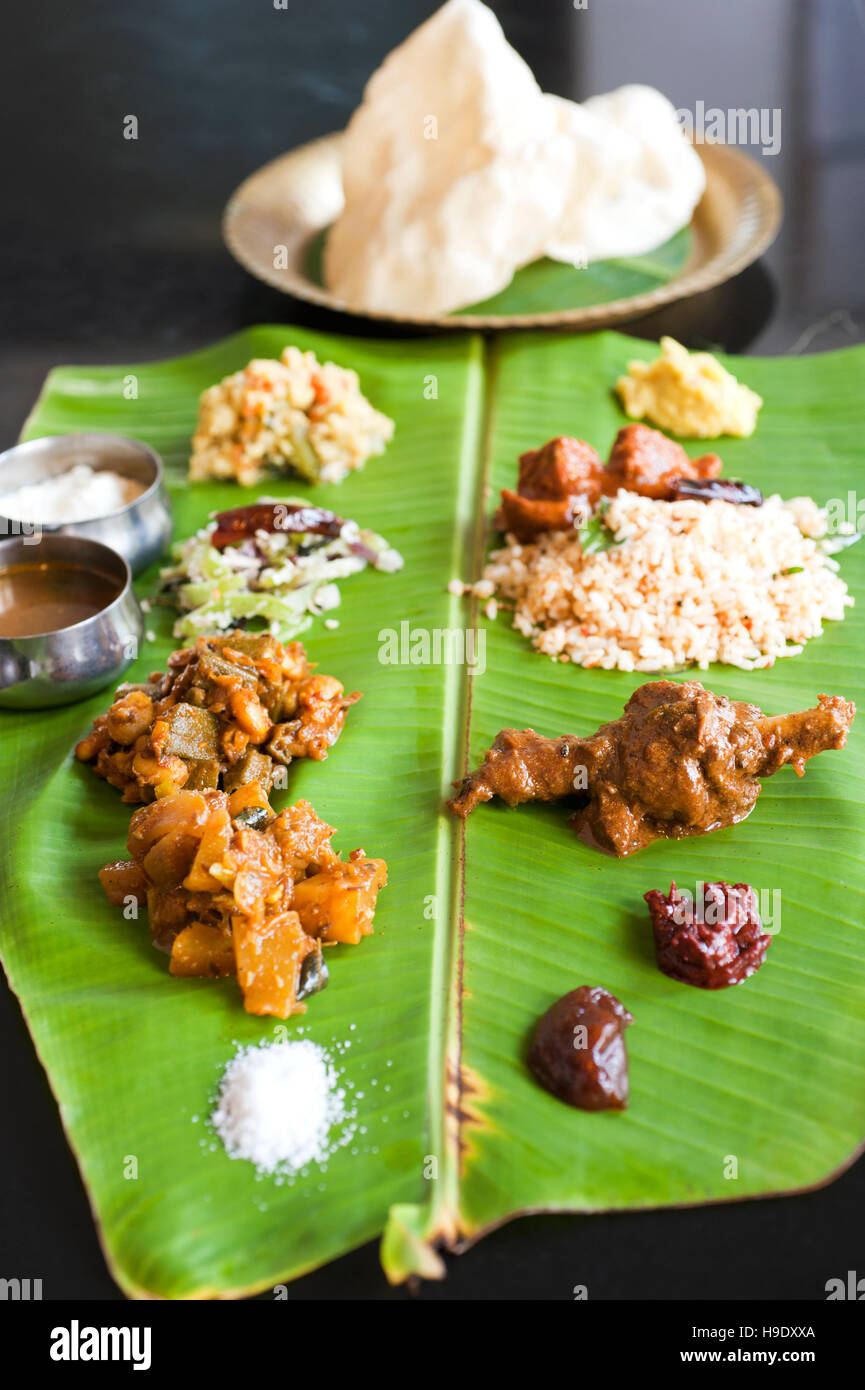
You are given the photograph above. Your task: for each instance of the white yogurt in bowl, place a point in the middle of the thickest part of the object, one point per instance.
(79, 494)
(104, 487)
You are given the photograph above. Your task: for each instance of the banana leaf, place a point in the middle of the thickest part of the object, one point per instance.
(133, 1056)
(734, 1093)
(742, 1092)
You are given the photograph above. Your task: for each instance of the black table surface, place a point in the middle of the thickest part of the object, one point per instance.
(113, 253)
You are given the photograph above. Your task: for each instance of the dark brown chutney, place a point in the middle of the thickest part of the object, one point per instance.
(578, 1050)
(712, 942)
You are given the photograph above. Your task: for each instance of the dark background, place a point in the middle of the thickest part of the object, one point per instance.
(113, 253)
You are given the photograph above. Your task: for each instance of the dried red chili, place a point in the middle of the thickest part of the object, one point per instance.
(716, 490)
(241, 523)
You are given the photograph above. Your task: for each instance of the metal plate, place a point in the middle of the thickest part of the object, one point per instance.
(288, 203)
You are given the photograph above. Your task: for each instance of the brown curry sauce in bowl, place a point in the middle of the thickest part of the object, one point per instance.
(69, 621)
(44, 597)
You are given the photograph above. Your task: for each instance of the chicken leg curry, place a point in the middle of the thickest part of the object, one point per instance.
(680, 761)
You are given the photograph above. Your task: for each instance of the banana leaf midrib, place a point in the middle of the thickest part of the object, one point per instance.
(443, 1215)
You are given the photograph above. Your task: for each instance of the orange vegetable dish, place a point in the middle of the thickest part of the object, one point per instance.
(227, 713)
(232, 889)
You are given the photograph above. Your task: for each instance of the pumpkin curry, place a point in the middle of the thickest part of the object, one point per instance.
(233, 889)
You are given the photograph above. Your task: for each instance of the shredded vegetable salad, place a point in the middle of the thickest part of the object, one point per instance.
(250, 567)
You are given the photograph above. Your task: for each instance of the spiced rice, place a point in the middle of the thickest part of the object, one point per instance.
(682, 583)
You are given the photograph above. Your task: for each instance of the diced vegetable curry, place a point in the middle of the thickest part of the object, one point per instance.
(231, 888)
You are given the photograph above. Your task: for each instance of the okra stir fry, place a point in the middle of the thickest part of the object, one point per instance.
(228, 711)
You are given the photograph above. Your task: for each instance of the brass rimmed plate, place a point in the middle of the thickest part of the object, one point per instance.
(275, 222)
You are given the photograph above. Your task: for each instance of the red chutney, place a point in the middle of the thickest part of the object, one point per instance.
(713, 942)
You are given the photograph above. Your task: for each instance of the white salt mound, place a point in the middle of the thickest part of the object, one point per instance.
(278, 1104)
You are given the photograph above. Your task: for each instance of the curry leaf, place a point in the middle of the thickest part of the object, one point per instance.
(595, 534)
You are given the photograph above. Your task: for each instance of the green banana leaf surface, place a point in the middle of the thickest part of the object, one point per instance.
(734, 1093)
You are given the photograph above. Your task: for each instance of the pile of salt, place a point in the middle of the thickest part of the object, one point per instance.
(278, 1104)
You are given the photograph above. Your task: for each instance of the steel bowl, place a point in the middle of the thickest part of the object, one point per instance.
(57, 668)
(139, 531)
